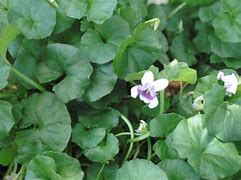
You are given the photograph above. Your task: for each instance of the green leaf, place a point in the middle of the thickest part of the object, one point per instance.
(46, 124)
(164, 149)
(108, 173)
(139, 51)
(179, 71)
(233, 63)
(7, 155)
(87, 137)
(54, 165)
(102, 82)
(201, 40)
(198, 2)
(99, 11)
(182, 49)
(224, 49)
(35, 19)
(178, 169)
(4, 73)
(227, 23)
(4, 7)
(105, 151)
(101, 45)
(27, 59)
(74, 8)
(164, 124)
(208, 156)
(222, 118)
(140, 169)
(208, 13)
(63, 59)
(204, 84)
(6, 118)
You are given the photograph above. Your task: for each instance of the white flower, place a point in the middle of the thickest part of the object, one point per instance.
(198, 103)
(148, 88)
(143, 127)
(157, 2)
(230, 82)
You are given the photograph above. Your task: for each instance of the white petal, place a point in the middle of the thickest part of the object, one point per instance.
(148, 77)
(220, 75)
(134, 91)
(160, 84)
(153, 103)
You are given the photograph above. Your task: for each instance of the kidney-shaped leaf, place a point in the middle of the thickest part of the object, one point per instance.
(140, 169)
(47, 126)
(35, 19)
(208, 156)
(54, 165)
(63, 59)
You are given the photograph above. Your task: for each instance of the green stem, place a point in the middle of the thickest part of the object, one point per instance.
(19, 175)
(149, 148)
(137, 151)
(132, 136)
(162, 102)
(125, 133)
(140, 138)
(178, 8)
(100, 171)
(25, 78)
(181, 89)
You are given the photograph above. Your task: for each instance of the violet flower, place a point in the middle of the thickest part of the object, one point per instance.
(230, 82)
(148, 89)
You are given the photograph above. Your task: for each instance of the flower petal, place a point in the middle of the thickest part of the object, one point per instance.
(145, 98)
(153, 103)
(134, 91)
(220, 75)
(160, 84)
(148, 77)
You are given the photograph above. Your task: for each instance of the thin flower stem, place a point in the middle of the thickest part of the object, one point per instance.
(100, 171)
(19, 175)
(125, 133)
(132, 136)
(162, 102)
(25, 78)
(178, 8)
(140, 138)
(149, 150)
(137, 151)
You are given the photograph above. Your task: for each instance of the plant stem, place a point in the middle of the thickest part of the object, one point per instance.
(6, 95)
(149, 148)
(144, 136)
(162, 102)
(100, 171)
(178, 8)
(125, 133)
(132, 136)
(19, 175)
(137, 151)
(25, 78)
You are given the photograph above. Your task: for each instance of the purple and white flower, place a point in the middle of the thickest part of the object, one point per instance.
(230, 82)
(148, 89)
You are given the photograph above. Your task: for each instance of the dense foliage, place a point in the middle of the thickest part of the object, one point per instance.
(120, 89)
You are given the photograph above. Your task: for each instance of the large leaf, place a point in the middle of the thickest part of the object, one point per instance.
(105, 40)
(197, 2)
(102, 82)
(179, 71)
(227, 23)
(6, 119)
(222, 118)
(35, 19)
(139, 51)
(63, 59)
(55, 166)
(4, 6)
(208, 156)
(46, 124)
(164, 124)
(178, 169)
(140, 169)
(105, 151)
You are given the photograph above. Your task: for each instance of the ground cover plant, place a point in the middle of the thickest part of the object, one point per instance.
(120, 89)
